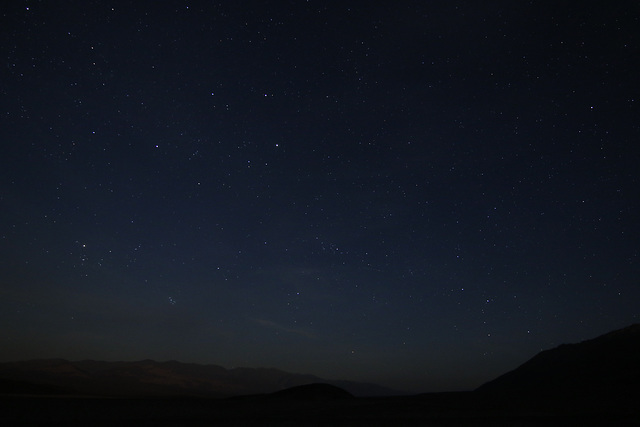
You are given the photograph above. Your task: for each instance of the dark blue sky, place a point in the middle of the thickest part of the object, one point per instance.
(419, 194)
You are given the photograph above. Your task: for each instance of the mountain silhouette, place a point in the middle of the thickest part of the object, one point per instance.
(315, 392)
(151, 378)
(603, 369)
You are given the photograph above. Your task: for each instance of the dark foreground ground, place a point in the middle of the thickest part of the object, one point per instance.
(437, 409)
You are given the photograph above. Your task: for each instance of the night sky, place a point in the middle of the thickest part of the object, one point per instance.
(418, 194)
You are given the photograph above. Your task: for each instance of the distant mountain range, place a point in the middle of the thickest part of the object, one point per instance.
(151, 378)
(603, 369)
(606, 368)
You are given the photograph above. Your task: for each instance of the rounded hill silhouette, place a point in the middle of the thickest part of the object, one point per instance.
(318, 391)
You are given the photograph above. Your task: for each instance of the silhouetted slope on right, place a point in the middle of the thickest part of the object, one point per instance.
(603, 368)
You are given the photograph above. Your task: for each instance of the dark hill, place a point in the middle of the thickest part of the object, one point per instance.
(606, 368)
(14, 387)
(314, 392)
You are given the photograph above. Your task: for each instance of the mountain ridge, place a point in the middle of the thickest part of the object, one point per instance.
(153, 378)
(603, 369)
